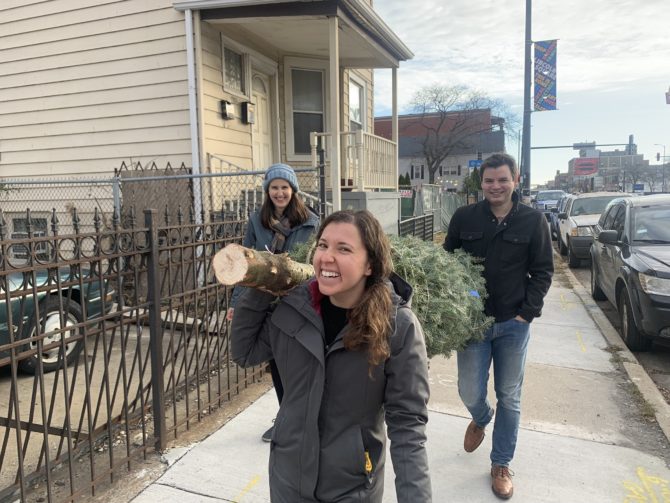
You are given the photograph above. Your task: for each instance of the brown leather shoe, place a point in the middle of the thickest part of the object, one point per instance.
(473, 437)
(501, 482)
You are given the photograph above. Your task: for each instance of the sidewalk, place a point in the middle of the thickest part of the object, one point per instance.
(582, 437)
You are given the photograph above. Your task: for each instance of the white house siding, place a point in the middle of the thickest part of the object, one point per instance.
(88, 84)
(227, 139)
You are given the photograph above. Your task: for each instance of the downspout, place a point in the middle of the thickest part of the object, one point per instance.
(334, 49)
(193, 116)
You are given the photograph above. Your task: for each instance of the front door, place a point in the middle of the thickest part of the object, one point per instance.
(263, 154)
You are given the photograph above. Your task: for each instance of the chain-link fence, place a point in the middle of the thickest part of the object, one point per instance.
(74, 201)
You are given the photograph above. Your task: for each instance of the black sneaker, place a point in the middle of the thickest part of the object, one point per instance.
(267, 436)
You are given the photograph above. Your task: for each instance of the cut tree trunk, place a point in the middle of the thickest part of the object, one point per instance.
(276, 274)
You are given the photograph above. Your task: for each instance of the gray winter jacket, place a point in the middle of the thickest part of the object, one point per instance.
(258, 237)
(329, 443)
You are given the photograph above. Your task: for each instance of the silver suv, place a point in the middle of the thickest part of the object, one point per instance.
(576, 221)
(546, 200)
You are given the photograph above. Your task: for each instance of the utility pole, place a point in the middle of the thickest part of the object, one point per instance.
(527, 83)
(664, 161)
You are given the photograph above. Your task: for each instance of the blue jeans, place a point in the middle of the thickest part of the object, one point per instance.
(505, 344)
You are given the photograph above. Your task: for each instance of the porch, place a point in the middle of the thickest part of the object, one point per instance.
(311, 52)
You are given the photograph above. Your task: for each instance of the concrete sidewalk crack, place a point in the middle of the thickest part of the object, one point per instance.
(194, 492)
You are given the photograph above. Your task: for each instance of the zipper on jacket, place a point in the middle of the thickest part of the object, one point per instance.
(368, 469)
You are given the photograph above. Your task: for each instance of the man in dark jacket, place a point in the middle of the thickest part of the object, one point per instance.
(514, 241)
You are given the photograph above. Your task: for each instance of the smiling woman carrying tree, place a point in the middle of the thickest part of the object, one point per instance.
(351, 356)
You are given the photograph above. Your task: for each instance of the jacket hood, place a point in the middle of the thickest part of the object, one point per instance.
(401, 291)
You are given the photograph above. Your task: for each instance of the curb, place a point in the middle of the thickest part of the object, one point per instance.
(631, 365)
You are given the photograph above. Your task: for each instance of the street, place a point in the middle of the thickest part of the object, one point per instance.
(656, 362)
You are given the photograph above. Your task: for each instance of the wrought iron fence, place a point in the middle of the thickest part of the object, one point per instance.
(133, 311)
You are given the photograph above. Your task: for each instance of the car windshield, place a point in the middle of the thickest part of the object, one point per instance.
(650, 224)
(551, 195)
(590, 205)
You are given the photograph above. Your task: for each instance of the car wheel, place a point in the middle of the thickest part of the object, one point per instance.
(50, 321)
(596, 291)
(629, 331)
(562, 249)
(573, 261)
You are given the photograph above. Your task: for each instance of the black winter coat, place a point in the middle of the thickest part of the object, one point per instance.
(517, 253)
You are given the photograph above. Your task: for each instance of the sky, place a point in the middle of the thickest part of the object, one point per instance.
(613, 67)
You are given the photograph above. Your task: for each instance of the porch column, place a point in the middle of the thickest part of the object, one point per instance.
(334, 51)
(394, 119)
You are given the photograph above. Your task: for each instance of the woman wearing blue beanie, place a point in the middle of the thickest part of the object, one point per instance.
(283, 222)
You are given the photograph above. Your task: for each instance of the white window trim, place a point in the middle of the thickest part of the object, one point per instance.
(293, 63)
(364, 99)
(246, 67)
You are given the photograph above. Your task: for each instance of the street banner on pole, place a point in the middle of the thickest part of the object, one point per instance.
(545, 75)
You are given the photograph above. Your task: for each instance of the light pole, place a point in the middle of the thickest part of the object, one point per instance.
(527, 83)
(663, 168)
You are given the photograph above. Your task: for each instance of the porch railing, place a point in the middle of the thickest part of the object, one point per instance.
(368, 162)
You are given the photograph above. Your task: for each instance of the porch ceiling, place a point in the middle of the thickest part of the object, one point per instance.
(300, 27)
(309, 36)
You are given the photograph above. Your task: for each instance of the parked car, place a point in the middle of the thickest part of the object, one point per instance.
(576, 224)
(630, 266)
(546, 200)
(25, 323)
(553, 216)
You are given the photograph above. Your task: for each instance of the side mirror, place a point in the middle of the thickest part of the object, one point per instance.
(609, 237)
(562, 216)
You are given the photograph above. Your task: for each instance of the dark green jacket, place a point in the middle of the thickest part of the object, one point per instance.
(333, 411)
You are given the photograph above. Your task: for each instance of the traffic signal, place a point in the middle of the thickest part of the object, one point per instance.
(658, 156)
(479, 156)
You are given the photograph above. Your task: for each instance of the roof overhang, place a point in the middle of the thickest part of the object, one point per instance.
(301, 27)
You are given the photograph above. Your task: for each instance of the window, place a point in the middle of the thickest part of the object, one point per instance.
(307, 92)
(459, 170)
(306, 82)
(441, 170)
(356, 104)
(233, 72)
(605, 220)
(236, 68)
(618, 222)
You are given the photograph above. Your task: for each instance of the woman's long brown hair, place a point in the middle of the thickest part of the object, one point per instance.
(370, 320)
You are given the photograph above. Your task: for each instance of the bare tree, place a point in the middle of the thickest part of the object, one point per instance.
(651, 177)
(451, 119)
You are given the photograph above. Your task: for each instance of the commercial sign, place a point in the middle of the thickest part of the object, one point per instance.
(585, 166)
(545, 75)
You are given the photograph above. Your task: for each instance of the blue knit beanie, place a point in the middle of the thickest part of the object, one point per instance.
(283, 171)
